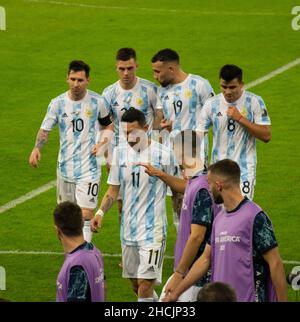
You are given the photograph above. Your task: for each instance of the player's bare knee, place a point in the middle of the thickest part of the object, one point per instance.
(87, 214)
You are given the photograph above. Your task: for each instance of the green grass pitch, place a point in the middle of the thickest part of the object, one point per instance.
(42, 37)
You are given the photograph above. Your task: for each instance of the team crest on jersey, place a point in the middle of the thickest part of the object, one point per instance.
(188, 94)
(244, 112)
(88, 111)
(139, 101)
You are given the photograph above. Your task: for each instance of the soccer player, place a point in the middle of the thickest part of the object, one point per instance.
(129, 91)
(243, 250)
(81, 278)
(79, 113)
(144, 222)
(197, 213)
(238, 118)
(180, 99)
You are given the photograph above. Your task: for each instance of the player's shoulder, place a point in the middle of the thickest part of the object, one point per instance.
(147, 83)
(199, 79)
(110, 88)
(252, 96)
(94, 95)
(59, 99)
(216, 99)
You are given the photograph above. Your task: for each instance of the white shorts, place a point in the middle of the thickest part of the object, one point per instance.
(247, 188)
(190, 295)
(143, 262)
(84, 194)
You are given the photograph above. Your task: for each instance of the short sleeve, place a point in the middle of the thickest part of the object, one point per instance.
(260, 112)
(78, 286)
(206, 91)
(51, 117)
(107, 99)
(263, 233)
(205, 118)
(202, 209)
(103, 108)
(153, 96)
(114, 177)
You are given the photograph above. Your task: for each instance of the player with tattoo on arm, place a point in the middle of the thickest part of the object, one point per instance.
(80, 114)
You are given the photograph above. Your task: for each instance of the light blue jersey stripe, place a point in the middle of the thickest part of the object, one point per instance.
(193, 105)
(63, 139)
(121, 160)
(217, 132)
(134, 201)
(231, 137)
(93, 164)
(177, 109)
(77, 143)
(151, 200)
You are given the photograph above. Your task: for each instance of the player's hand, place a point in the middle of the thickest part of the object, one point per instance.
(234, 113)
(35, 157)
(166, 125)
(96, 223)
(174, 281)
(151, 171)
(170, 297)
(95, 149)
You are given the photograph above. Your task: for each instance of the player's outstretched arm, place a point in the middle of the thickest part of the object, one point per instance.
(41, 140)
(173, 182)
(106, 203)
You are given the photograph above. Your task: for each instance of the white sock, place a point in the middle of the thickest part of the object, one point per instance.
(87, 233)
(146, 299)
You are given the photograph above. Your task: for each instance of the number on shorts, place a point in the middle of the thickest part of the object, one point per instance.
(231, 125)
(246, 187)
(151, 251)
(93, 189)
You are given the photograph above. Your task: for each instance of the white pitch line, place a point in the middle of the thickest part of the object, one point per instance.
(206, 13)
(273, 73)
(44, 252)
(28, 196)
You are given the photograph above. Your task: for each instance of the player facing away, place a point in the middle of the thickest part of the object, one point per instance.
(129, 91)
(144, 222)
(81, 278)
(180, 99)
(79, 114)
(243, 250)
(238, 118)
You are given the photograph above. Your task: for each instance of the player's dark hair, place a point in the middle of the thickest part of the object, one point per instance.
(217, 292)
(133, 115)
(68, 217)
(227, 168)
(166, 55)
(78, 66)
(229, 72)
(125, 54)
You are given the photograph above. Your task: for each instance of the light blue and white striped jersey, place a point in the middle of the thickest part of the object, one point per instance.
(182, 104)
(142, 97)
(230, 139)
(144, 218)
(78, 131)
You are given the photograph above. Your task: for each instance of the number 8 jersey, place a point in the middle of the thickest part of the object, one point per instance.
(78, 123)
